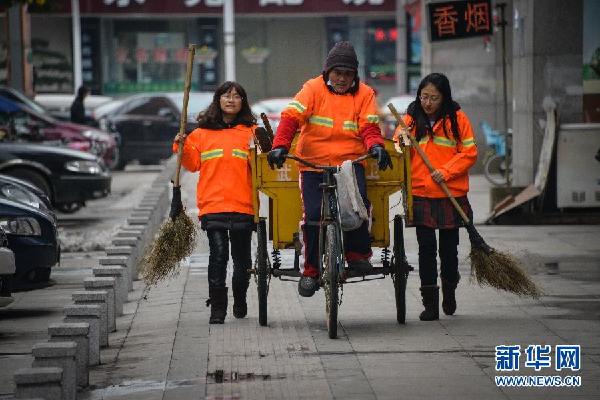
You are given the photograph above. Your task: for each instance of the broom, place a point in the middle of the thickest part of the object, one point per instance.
(177, 236)
(489, 266)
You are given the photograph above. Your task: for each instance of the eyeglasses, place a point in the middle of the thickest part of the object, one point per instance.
(432, 99)
(235, 97)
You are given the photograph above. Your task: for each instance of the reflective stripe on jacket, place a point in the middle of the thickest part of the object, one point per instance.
(333, 127)
(221, 157)
(452, 159)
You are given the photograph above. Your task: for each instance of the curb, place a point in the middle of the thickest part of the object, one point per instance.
(91, 317)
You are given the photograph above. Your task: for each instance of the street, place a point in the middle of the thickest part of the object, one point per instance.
(164, 347)
(83, 236)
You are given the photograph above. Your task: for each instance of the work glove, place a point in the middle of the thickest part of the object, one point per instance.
(383, 157)
(276, 157)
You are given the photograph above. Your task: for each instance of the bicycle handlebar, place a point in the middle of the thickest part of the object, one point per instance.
(323, 167)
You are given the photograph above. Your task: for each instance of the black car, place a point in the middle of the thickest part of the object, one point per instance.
(25, 192)
(147, 124)
(33, 237)
(7, 270)
(68, 177)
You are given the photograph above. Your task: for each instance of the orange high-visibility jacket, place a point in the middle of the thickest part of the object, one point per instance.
(222, 158)
(333, 127)
(452, 159)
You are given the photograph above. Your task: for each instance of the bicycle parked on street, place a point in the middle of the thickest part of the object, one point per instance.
(495, 167)
(281, 186)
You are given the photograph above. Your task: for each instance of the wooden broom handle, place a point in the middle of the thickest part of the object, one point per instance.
(419, 150)
(183, 121)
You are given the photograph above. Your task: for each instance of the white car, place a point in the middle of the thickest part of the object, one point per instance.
(401, 103)
(272, 109)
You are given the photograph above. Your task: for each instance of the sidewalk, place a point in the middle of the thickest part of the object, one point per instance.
(165, 349)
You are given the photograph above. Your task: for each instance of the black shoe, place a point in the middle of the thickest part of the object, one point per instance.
(360, 266)
(240, 307)
(431, 301)
(218, 305)
(448, 297)
(307, 286)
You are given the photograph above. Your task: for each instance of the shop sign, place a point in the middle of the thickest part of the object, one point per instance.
(242, 7)
(160, 55)
(135, 87)
(459, 19)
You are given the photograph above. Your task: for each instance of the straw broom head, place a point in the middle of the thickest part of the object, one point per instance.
(175, 241)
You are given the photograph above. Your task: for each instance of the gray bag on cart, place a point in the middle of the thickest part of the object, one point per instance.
(351, 207)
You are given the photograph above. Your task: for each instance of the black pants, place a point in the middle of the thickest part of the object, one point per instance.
(218, 242)
(357, 243)
(428, 258)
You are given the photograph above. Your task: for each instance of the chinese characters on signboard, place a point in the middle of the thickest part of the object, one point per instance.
(459, 19)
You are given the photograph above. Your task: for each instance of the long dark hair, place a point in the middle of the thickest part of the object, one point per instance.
(212, 117)
(447, 109)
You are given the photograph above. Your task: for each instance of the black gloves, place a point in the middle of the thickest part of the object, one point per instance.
(276, 157)
(383, 158)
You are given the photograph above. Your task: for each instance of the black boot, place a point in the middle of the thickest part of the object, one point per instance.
(218, 304)
(448, 297)
(431, 301)
(240, 308)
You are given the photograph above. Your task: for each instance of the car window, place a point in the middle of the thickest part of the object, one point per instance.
(21, 99)
(150, 106)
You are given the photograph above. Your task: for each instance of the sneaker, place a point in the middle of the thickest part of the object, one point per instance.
(362, 266)
(307, 286)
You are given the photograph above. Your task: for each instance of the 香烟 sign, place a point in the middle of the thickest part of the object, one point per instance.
(459, 19)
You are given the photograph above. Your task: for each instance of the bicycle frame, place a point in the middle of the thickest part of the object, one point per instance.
(329, 207)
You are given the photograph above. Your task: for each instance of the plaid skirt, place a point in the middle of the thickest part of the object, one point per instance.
(439, 213)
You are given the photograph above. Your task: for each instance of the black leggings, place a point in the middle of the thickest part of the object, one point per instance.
(428, 255)
(218, 243)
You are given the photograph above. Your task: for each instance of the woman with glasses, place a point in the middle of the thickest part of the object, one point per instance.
(444, 132)
(219, 150)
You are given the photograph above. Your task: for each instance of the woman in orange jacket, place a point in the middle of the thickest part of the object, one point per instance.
(445, 134)
(219, 150)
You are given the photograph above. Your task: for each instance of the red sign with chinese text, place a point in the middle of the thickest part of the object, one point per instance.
(460, 19)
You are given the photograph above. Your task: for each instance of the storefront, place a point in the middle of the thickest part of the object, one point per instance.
(140, 45)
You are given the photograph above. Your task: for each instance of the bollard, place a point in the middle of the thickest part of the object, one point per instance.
(125, 241)
(42, 382)
(62, 355)
(122, 261)
(89, 313)
(78, 333)
(120, 250)
(107, 284)
(99, 297)
(120, 274)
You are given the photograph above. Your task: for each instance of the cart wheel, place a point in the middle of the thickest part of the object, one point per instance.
(262, 273)
(401, 270)
(331, 260)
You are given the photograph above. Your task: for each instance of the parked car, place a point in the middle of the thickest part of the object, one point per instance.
(272, 108)
(24, 192)
(68, 177)
(197, 102)
(401, 103)
(59, 105)
(7, 270)
(80, 137)
(147, 124)
(32, 236)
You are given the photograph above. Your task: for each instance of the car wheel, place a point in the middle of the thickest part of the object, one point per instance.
(68, 208)
(32, 177)
(114, 161)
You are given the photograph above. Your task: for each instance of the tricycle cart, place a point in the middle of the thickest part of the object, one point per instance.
(285, 213)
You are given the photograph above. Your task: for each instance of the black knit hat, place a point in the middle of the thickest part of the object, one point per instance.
(341, 55)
